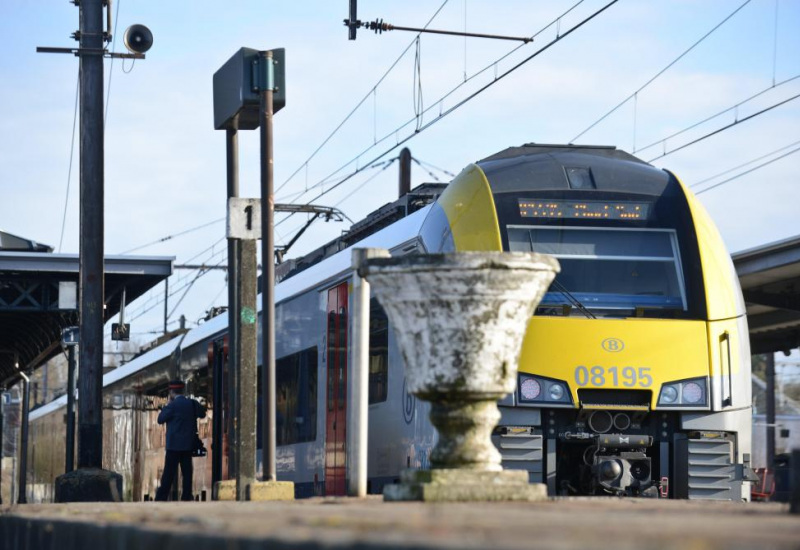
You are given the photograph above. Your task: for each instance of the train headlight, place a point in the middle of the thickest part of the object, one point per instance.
(555, 392)
(669, 394)
(692, 393)
(685, 393)
(537, 389)
(530, 389)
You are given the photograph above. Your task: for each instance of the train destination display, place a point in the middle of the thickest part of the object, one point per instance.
(611, 210)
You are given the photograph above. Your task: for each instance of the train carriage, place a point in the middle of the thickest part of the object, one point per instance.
(634, 377)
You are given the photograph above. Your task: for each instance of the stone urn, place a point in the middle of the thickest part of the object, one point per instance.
(459, 320)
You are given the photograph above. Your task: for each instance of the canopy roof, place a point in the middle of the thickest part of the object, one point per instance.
(770, 279)
(38, 297)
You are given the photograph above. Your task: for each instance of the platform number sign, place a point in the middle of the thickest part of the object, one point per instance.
(70, 336)
(244, 219)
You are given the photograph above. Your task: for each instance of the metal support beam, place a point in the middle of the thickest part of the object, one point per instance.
(69, 462)
(770, 410)
(786, 301)
(268, 279)
(23, 441)
(234, 302)
(90, 429)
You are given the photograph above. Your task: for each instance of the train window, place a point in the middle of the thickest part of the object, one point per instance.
(378, 352)
(609, 269)
(296, 397)
(435, 232)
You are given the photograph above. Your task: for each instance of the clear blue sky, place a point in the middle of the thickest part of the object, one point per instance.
(165, 163)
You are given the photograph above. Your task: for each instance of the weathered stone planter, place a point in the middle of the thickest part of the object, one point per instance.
(459, 320)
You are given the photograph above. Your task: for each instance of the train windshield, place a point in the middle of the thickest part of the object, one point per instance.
(617, 271)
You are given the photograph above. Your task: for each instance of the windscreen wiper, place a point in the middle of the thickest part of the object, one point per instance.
(573, 300)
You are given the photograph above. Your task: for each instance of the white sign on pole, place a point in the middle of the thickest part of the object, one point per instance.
(244, 219)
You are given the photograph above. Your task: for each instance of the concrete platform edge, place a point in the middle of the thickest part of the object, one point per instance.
(25, 533)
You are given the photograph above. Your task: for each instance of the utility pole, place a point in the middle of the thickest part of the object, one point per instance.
(90, 417)
(90, 483)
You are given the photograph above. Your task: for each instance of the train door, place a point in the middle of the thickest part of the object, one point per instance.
(221, 419)
(336, 415)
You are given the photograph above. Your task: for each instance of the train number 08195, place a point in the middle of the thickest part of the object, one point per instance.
(628, 377)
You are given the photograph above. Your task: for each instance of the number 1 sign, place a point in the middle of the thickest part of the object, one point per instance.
(244, 219)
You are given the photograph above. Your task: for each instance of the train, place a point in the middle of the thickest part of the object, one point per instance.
(634, 374)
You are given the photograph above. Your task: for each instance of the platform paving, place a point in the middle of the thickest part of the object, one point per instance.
(335, 523)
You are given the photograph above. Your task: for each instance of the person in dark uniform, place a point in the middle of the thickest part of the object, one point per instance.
(180, 415)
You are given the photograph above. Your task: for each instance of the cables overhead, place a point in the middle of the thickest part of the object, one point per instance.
(170, 237)
(71, 156)
(762, 165)
(707, 119)
(728, 171)
(360, 103)
(416, 130)
(726, 127)
(662, 71)
(428, 167)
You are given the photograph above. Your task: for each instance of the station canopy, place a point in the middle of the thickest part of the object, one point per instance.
(770, 279)
(39, 297)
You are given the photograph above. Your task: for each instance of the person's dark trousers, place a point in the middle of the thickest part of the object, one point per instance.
(173, 458)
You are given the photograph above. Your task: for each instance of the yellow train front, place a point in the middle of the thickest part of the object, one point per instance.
(634, 377)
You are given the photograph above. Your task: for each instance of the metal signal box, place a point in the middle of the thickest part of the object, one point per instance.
(236, 92)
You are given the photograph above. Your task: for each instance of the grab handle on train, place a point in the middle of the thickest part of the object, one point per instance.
(725, 359)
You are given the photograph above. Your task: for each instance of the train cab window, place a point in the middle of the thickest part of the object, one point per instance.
(296, 397)
(616, 271)
(378, 352)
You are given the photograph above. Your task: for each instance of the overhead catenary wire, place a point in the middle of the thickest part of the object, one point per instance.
(720, 113)
(737, 176)
(428, 170)
(360, 103)
(749, 162)
(726, 127)
(662, 71)
(170, 237)
(156, 300)
(71, 157)
(427, 125)
(425, 164)
(386, 165)
(111, 64)
(439, 102)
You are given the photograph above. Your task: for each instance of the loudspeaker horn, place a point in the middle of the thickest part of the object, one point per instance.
(138, 39)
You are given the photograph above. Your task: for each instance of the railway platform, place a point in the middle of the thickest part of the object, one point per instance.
(341, 523)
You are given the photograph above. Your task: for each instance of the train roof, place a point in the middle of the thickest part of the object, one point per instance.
(329, 269)
(547, 167)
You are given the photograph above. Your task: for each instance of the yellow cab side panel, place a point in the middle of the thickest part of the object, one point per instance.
(723, 293)
(728, 342)
(469, 206)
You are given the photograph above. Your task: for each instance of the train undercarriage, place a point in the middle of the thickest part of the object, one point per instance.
(623, 452)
